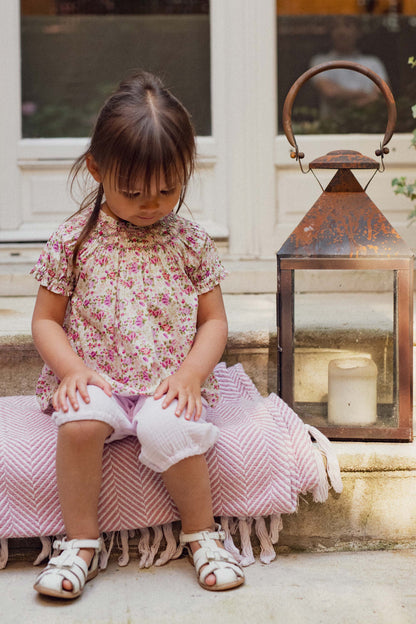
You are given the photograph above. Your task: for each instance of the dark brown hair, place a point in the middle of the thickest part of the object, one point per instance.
(142, 132)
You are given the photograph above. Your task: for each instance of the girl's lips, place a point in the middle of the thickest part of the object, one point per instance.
(146, 218)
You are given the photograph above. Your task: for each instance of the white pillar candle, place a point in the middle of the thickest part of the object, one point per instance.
(352, 392)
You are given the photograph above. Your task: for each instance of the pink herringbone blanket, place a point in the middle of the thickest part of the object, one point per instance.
(263, 459)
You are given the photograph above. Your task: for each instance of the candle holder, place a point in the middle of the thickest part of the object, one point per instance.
(345, 349)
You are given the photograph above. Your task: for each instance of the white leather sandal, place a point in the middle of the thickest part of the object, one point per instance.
(70, 567)
(211, 559)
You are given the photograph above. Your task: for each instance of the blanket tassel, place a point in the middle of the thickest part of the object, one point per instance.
(154, 549)
(228, 542)
(172, 550)
(106, 552)
(276, 525)
(124, 557)
(4, 552)
(324, 448)
(244, 527)
(46, 551)
(267, 552)
(143, 547)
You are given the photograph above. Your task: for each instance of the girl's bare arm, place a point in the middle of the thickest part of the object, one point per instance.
(206, 351)
(55, 350)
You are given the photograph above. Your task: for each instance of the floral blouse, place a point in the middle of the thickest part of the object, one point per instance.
(133, 298)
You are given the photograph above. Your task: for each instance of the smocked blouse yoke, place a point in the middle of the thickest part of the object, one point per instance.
(133, 298)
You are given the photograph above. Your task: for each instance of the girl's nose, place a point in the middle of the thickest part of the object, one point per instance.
(150, 201)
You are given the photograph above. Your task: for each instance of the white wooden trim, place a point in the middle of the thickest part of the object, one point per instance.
(243, 68)
(69, 149)
(10, 103)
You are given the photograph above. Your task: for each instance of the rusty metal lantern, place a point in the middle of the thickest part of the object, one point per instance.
(345, 360)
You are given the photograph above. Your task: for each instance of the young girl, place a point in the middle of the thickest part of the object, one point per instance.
(130, 323)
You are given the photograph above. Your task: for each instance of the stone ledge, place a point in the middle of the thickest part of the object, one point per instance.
(375, 509)
(376, 456)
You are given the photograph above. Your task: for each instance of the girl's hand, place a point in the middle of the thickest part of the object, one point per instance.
(184, 387)
(77, 380)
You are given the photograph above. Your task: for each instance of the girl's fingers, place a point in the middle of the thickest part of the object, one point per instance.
(83, 391)
(59, 401)
(71, 395)
(190, 408)
(198, 410)
(75, 387)
(100, 382)
(169, 397)
(161, 389)
(188, 401)
(55, 403)
(108, 389)
(182, 404)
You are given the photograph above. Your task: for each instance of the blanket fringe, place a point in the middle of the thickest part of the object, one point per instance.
(106, 552)
(173, 550)
(323, 448)
(227, 525)
(150, 540)
(244, 527)
(46, 551)
(276, 525)
(4, 552)
(267, 552)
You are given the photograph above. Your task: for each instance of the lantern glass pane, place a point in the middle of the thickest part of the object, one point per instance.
(345, 348)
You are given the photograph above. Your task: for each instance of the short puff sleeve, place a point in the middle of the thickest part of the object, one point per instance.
(54, 269)
(203, 265)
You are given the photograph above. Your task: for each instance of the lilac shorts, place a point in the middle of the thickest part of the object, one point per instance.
(165, 438)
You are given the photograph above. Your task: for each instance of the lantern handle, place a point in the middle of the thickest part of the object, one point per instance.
(317, 69)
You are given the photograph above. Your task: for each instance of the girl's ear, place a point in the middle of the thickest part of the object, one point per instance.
(93, 168)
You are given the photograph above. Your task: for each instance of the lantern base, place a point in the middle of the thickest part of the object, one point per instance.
(316, 414)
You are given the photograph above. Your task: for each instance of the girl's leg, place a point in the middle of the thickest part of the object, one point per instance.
(175, 448)
(78, 468)
(188, 484)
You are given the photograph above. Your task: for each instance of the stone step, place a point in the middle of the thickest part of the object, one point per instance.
(252, 340)
(16, 261)
(255, 276)
(378, 506)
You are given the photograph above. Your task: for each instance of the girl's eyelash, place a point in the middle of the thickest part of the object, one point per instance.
(130, 195)
(133, 195)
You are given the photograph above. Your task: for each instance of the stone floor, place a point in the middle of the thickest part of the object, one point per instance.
(297, 588)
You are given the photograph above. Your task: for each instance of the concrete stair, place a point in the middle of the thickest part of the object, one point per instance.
(377, 509)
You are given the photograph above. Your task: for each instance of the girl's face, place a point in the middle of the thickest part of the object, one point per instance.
(137, 207)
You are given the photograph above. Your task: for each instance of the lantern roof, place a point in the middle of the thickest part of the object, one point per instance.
(344, 159)
(344, 222)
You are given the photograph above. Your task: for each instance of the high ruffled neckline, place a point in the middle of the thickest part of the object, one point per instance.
(112, 224)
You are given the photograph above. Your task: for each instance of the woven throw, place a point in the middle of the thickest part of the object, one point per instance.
(263, 460)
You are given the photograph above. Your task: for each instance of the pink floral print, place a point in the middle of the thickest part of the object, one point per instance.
(133, 298)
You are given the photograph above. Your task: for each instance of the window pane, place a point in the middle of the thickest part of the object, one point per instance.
(74, 53)
(380, 34)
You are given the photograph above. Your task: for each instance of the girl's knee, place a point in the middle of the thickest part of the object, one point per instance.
(85, 432)
(154, 423)
(166, 439)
